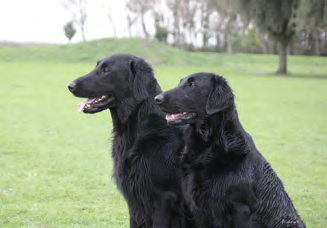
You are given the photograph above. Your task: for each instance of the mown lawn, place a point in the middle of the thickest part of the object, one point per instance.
(55, 165)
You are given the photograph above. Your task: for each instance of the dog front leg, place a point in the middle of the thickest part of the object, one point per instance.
(161, 218)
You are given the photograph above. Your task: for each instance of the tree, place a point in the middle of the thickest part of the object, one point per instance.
(252, 41)
(277, 18)
(189, 10)
(161, 31)
(228, 21)
(313, 18)
(130, 16)
(161, 34)
(176, 8)
(108, 10)
(139, 8)
(183, 25)
(78, 9)
(69, 30)
(205, 23)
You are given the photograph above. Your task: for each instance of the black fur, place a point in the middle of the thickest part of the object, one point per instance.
(227, 183)
(145, 151)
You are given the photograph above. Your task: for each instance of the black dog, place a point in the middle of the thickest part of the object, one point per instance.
(226, 181)
(145, 151)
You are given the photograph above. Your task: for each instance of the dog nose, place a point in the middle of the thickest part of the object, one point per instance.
(159, 99)
(72, 86)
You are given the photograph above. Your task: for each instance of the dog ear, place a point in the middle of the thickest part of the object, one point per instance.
(138, 82)
(220, 97)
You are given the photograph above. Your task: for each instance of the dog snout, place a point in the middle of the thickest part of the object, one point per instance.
(72, 86)
(159, 99)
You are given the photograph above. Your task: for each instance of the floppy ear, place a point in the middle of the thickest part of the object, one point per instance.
(138, 82)
(220, 97)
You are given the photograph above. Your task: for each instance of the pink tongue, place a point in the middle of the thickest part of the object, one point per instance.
(82, 104)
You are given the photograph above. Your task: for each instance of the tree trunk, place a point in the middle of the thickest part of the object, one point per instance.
(228, 36)
(229, 47)
(129, 22)
(83, 33)
(218, 42)
(114, 29)
(291, 47)
(129, 30)
(144, 27)
(282, 45)
(316, 42)
(273, 46)
(112, 24)
(264, 40)
(176, 29)
(204, 40)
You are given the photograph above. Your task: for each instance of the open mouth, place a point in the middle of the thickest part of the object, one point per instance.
(92, 105)
(180, 117)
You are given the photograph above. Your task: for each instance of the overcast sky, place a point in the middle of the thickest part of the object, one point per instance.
(43, 20)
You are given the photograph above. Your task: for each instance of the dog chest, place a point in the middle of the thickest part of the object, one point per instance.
(209, 193)
(130, 172)
(200, 191)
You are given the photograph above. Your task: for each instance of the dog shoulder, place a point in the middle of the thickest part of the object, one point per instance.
(277, 205)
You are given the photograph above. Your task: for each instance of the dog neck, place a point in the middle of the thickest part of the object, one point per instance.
(129, 117)
(222, 129)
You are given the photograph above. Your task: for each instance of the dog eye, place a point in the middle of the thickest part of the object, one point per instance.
(191, 84)
(105, 70)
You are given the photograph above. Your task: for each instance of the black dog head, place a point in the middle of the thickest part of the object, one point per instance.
(114, 80)
(197, 96)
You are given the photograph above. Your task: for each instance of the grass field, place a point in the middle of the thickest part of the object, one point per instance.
(55, 165)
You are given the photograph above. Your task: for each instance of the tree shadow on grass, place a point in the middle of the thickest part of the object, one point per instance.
(288, 75)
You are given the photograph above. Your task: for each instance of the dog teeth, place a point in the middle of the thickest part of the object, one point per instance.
(96, 101)
(100, 99)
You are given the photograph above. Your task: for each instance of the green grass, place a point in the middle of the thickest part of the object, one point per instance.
(55, 165)
(158, 54)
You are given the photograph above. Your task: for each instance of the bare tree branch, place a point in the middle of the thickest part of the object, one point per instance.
(108, 10)
(78, 10)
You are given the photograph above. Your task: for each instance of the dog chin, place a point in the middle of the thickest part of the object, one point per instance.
(176, 122)
(181, 118)
(94, 105)
(94, 110)
(180, 121)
